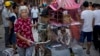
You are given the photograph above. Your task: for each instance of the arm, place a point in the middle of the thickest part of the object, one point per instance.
(82, 19)
(21, 37)
(17, 29)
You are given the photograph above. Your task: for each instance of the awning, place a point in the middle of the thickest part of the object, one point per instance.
(65, 4)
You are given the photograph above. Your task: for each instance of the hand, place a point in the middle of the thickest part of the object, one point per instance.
(29, 42)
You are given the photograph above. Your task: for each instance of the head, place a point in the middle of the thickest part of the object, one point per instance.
(15, 8)
(23, 12)
(96, 6)
(35, 7)
(63, 29)
(8, 4)
(86, 4)
(90, 6)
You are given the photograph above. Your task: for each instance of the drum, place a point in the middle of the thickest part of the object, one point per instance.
(75, 30)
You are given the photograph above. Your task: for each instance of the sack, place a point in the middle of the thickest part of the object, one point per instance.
(78, 50)
(8, 52)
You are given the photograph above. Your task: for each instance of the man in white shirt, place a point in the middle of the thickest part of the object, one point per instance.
(6, 22)
(96, 30)
(35, 13)
(87, 26)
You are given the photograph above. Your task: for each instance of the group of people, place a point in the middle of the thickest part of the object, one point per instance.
(18, 27)
(19, 20)
(90, 25)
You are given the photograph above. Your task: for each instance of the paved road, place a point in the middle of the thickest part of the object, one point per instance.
(93, 52)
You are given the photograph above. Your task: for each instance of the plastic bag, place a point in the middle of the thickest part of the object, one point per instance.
(77, 49)
(8, 52)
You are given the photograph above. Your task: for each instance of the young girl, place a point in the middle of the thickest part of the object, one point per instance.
(23, 29)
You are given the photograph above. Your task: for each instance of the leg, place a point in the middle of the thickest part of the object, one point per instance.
(33, 21)
(13, 40)
(82, 38)
(89, 39)
(36, 22)
(95, 37)
(29, 51)
(7, 36)
(21, 51)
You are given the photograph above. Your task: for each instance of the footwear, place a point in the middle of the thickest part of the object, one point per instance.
(88, 52)
(84, 48)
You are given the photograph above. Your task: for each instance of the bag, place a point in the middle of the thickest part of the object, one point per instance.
(77, 49)
(8, 52)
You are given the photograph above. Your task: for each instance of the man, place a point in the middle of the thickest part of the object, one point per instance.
(87, 23)
(5, 18)
(35, 13)
(96, 30)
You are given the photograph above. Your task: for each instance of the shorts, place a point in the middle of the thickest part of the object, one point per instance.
(84, 35)
(35, 20)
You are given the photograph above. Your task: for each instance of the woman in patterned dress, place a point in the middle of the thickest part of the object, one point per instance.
(23, 29)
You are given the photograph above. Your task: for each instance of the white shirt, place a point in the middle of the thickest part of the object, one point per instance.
(34, 13)
(87, 16)
(5, 15)
(97, 17)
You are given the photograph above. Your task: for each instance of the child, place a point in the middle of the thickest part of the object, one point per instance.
(64, 36)
(12, 19)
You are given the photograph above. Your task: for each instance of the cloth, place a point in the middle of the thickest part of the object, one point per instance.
(25, 29)
(12, 19)
(87, 16)
(84, 35)
(7, 41)
(97, 17)
(35, 20)
(5, 15)
(26, 51)
(96, 36)
(34, 13)
(66, 38)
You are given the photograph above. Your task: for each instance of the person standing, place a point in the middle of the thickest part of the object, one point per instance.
(13, 17)
(5, 18)
(35, 15)
(96, 30)
(23, 30)
(87, 16)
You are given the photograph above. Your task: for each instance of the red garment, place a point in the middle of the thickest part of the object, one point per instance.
(25, 29)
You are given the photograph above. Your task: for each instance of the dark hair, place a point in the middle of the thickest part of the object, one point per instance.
(14, 6)
(95, 5)
(86, 4)
(25, 3)
(90, 3)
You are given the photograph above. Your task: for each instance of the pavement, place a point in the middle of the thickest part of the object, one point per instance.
(2, 47)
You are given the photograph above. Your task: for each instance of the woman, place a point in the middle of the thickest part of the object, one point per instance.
(23, 29)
